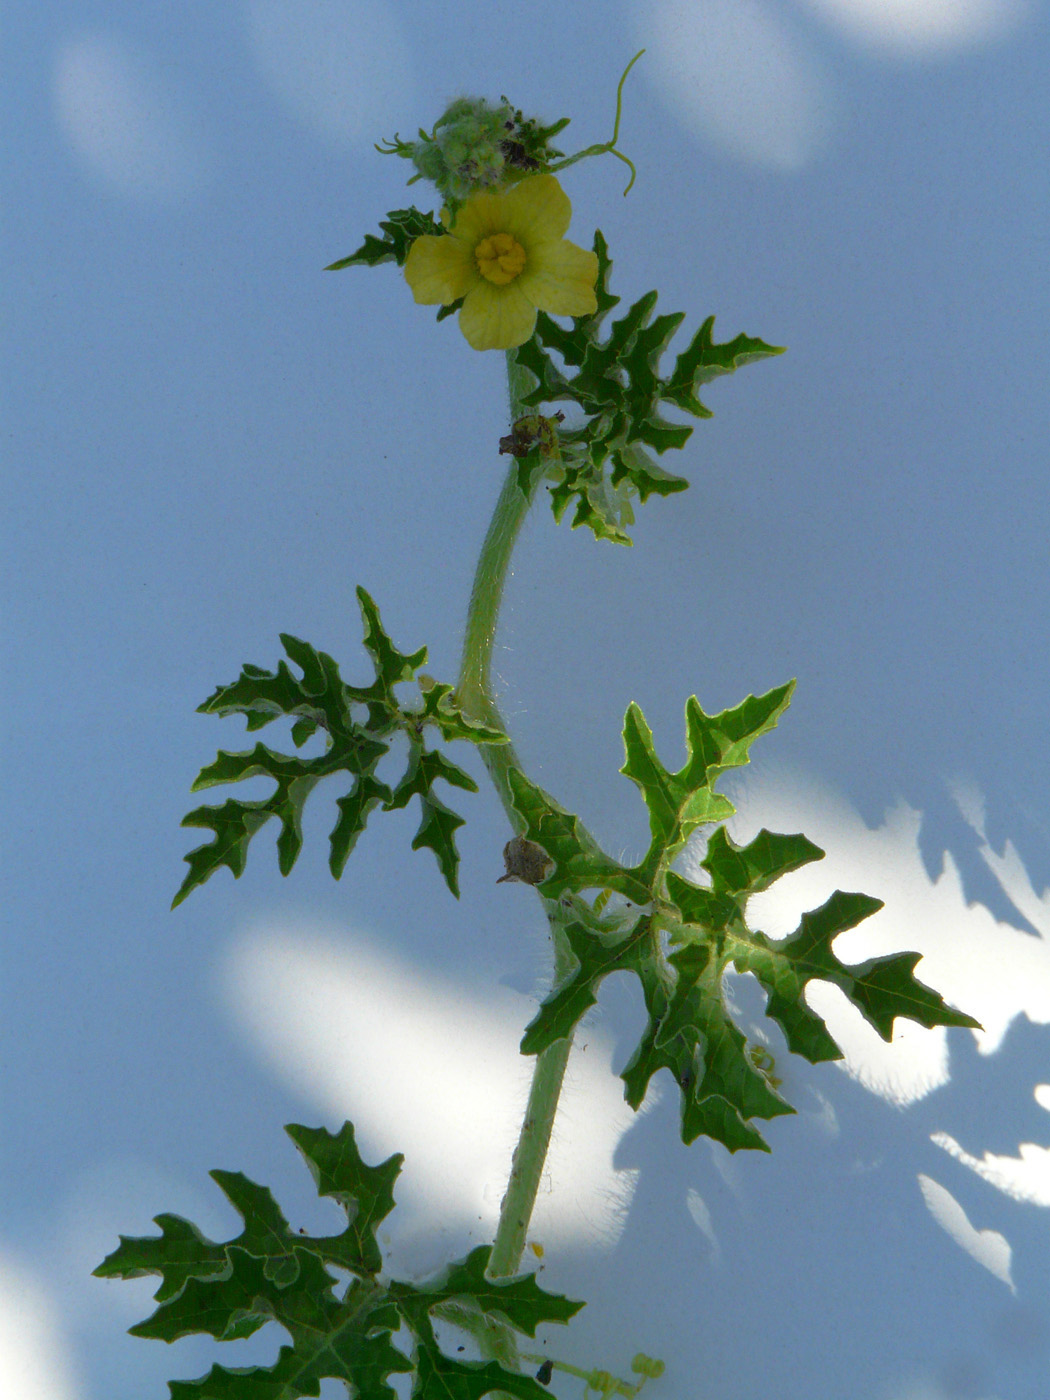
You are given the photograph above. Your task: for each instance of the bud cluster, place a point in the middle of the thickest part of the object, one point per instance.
(476, 145)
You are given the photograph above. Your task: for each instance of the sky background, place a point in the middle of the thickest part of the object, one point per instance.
(209, 441)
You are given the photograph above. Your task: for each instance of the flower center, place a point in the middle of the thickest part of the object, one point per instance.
(500, 258)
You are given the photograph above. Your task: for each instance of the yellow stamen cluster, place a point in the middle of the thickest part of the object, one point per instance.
(500, 258)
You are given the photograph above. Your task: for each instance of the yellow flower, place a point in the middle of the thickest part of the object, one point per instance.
(505, 255)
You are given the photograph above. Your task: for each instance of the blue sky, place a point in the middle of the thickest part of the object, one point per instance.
(211, 441)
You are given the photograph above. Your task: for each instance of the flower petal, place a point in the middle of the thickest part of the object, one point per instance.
(440, 269)
(559, 278)
(537, 210)
(483, 214)
(497, 318)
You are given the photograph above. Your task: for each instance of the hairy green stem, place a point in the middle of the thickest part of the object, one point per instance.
(474, 688)
(474, 692)
(529, 1157)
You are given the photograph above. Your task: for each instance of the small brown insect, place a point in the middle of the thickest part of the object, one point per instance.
(543, 1375)
(526, 861)
(529, 431)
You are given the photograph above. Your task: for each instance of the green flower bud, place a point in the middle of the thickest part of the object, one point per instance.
(476, 145)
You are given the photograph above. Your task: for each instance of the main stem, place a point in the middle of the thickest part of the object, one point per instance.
(474, 692)
(474, 688)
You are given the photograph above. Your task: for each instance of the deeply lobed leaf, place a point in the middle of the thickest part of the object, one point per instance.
(520, 1300)
(182, 1252)
(685, 937)
(365, 1193)
(605, 461)
(270, 1273)
(680, 802)
(401, 228)
(320, 701)
(578, 863)
(691, 1033)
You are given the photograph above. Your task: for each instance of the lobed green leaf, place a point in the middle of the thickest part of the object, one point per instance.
(320, 701)
(269, 1273)
(617, 384)
(691, 1033)
(680, 802)
(401, 228)
(365, 1193)
(519, 1301)
(685, 937)
(578, 862)
(596, 957)
(881, 988)
(182, 1252)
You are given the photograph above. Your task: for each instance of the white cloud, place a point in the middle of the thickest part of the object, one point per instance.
(33, 1358)
(988, 1247)
(422, 1069)
(127, 125)
(343, 66)
(734, 72)
(924, 28)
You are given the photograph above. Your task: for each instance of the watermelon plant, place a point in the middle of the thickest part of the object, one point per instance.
(589, 386)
